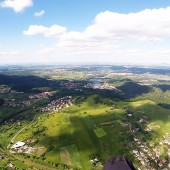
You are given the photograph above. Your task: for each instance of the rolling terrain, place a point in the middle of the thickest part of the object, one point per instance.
(78, 117)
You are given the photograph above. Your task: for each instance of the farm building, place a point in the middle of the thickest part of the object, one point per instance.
(18, 145)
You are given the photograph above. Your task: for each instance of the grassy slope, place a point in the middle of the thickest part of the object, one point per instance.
(73, 129)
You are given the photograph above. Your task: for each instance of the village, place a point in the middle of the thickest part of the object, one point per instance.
(150, 155)
(13, 104)
(57, 105)
(70, 84)
(93, 85)
(101, 86)
(40, 96)
(6, 90)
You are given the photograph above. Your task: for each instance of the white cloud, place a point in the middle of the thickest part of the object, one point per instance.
(39, 14)
(149, 25)
(112, 37)
(53, 31)
(16, 5)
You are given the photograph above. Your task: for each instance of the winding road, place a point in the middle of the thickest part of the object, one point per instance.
(12, 140)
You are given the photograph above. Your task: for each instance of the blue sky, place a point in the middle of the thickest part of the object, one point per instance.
(84, 31)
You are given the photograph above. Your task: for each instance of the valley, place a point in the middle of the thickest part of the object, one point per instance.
(76, 117)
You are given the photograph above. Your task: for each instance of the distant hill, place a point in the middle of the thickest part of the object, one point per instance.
(23, 83)
(132, 89)
(149, 70)
(140, 70)
(163, 87)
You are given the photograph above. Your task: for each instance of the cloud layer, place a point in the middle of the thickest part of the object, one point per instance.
(113, 37)
(16, 5)
(149, 25)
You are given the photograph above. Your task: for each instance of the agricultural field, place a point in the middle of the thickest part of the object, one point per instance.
(81, 121)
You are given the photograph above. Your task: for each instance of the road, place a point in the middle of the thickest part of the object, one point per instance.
(12, 140)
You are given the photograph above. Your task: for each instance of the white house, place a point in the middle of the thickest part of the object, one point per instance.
(18, 145)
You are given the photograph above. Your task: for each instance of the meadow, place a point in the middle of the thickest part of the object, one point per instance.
(99, 124)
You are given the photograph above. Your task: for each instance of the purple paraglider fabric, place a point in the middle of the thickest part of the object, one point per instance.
(118, 163)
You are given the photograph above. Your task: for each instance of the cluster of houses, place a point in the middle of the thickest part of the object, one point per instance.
(101, 86)
(104, 86)
(13, 104)
(11, 121)
(95, 85)
(70, 84)
(58, 104)
(94, 159)
(11, 165)
(41, 95)
(4, 90)
(166, 140)
(148, 156)
(22, 147)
